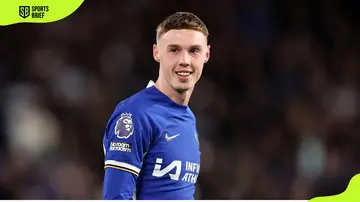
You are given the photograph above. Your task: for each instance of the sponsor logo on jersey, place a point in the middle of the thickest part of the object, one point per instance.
(175, 170)
(168, 138)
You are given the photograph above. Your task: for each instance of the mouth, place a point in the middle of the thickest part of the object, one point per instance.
(183, 73)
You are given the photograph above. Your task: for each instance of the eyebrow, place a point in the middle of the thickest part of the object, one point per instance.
(177, 46)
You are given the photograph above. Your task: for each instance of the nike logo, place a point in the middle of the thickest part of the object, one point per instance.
(167, 138)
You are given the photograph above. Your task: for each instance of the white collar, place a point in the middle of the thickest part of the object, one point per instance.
(151, 83)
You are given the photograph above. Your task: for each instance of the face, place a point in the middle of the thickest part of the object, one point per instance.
(182, 55)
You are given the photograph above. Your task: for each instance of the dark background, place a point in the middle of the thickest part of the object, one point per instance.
(277, 106)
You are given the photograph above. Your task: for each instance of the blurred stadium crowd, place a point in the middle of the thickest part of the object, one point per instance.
(277, 106)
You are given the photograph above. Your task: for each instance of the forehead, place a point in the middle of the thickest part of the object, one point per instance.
(183, 37)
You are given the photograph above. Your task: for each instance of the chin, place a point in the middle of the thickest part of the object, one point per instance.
(182, 88)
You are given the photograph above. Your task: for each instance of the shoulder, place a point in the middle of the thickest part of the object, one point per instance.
(134, 106)
(138, 104)
(127, 119)
(135, 109)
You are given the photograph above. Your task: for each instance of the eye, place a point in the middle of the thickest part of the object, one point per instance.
(194, 50)
(173, 50)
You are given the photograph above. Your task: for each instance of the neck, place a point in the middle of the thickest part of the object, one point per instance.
(181, 98)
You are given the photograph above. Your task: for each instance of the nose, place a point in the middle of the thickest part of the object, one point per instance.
(185, 59)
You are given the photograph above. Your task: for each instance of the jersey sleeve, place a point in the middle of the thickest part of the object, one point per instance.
(127, 139)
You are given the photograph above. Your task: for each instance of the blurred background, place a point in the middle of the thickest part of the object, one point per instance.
(277, 106)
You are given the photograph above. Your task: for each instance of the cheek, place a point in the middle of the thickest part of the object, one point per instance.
(198, 65)
(168, 62)
(199, 69)
(199, 72)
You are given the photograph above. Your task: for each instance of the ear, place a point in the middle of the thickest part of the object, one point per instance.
(156, 53)
(207, 54)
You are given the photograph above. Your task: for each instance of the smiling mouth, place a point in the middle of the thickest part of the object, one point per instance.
(182, 73)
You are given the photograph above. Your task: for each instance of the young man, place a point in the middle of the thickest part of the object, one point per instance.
(151, 144)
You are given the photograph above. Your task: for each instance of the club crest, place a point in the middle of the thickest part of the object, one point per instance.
(124, 127)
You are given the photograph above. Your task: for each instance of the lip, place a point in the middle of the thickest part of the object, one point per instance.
(183, 70)
(183, 77)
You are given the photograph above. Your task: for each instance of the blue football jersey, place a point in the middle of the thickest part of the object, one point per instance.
(151, 148)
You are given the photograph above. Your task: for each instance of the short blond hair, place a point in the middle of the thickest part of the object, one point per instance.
(181, 20)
